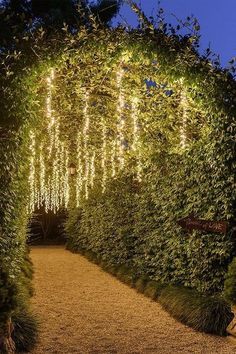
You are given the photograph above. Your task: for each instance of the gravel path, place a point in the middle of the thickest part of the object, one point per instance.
(86, 311)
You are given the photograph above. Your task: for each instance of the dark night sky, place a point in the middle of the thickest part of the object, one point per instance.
(217, 19)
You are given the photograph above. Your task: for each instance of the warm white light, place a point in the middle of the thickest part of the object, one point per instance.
(79, 179)
(113, 158)
(184, 107)
(86, 137)
(121, 118)
(42, 176)
(104, 156)
(32, 173)
(66, 180)
(92, 169)
(136, 136)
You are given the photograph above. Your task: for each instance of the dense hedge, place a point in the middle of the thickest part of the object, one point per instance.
(137, 225)
(230, 283)
(209, 314)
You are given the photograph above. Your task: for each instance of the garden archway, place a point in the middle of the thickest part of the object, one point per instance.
(141, 113)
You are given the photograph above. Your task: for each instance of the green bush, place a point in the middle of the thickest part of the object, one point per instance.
(126, 275)
(141, 284)
(140, 230)
(203, 313)
(26, 276)
(153, 289)
(8, 295)
(230, 283)
(25, 331)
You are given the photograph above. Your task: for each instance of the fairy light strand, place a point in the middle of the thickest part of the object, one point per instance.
(32, 172)
(92, 169)
(79, 177)
(121, 118)
(113, 158)
(49, 108)
(86, 138)
(104, 156)
(184, 109)
(66, 180)
(136, 136)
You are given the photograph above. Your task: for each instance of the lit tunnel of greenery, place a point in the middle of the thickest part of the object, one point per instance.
(150, 127)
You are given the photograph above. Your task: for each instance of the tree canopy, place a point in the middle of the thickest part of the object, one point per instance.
(21, 16)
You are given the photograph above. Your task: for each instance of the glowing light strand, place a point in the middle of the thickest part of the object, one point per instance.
(32, 172)
(49, 109)
(66, 179)
(79, 177)
(104, 156)
(42, 174)
(183, 129)
(113, 158)
(121, 118)
(86, 138)
(136, 136)
(92, 169)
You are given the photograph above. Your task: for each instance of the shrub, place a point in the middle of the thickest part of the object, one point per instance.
(126, 275)
(25, 331)
(8, 296)
(153, 289)
(26, 276)
(141, 283)
(230, 283)
(205, 314)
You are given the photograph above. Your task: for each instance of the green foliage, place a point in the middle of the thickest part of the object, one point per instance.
(17, 17)
(206, 314)
(153, 289)
(25, 333)
(138, 228)
(126, 275)
(141, 284)
(230, 283)
(8, 296)
(202, 312)
(134, 222)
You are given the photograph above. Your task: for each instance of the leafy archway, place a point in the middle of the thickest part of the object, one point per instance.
(149, 127)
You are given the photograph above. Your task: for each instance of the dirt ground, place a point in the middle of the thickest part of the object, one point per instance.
(85, 310)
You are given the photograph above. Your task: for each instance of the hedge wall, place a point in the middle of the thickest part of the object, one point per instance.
(136, 225)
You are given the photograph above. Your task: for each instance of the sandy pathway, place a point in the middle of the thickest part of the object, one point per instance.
(84, 310)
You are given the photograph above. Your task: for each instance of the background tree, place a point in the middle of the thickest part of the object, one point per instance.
(20, 16)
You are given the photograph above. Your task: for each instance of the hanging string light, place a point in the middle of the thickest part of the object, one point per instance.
(42, 176)
(47, 199)
(32, 174)
(104, 156)
(79, 178)
(136, 136)
(134, 114)
(86, 138)
(92, 169)
(49, 109)
(113, 158)
(50, 114)
(55, 187)
(184, 108)
(121, 118)
(66, 180)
